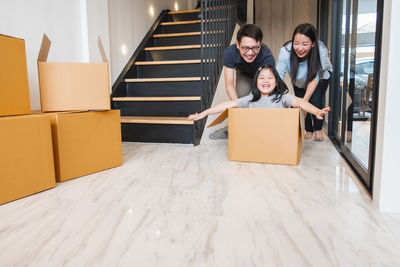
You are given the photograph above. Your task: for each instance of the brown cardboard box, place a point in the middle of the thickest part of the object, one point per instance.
(85, 142)
(14, 87)
(264, 135)
(26, 157)
(72, 86)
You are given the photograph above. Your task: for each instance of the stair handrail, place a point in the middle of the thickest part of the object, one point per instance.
(218, 19)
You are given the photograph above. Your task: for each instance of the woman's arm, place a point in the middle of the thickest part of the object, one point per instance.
(217, 109)
(310, 108)
(311, 86)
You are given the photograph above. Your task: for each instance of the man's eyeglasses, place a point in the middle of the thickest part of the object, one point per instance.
(255, 49)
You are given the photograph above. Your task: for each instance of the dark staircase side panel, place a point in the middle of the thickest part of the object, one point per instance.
(184, 16)
(173, 70)
(181, 54)
(158, 108)
(195, 27)
(163, 89)
(157, 133)
(180, 40)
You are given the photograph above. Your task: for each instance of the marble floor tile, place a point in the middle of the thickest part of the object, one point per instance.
(183, 205)
(179, 205)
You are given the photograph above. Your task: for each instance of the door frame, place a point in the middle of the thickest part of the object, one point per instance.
(366, 176)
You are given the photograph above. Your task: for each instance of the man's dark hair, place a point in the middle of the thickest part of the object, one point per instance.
(250, 30)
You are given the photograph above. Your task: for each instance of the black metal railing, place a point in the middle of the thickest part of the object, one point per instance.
(218, 19)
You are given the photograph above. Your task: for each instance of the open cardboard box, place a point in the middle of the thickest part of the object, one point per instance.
(14, 87)
(26, 158)
(66, 86)
(265, 135)
(85, 142)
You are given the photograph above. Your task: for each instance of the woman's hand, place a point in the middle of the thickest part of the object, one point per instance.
(321, 112)
(196, 116)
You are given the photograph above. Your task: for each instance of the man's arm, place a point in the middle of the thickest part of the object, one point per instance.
(229, 83)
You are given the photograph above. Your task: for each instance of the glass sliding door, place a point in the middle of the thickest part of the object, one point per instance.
(355, 55)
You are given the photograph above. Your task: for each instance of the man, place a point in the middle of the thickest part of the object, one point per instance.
(244, 57)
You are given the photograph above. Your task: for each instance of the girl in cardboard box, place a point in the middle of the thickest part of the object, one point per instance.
(268, 91)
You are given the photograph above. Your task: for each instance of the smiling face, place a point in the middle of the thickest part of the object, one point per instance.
(266, 82)
(249, 48)
(302, 45)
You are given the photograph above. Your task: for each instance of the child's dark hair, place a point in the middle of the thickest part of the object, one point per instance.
(250, 30)
(314, 62)
(279, 90)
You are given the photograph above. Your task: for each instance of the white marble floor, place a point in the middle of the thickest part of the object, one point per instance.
(180, 205)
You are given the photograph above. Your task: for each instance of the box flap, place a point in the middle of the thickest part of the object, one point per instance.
(219, 119)
(102, 51)
(302, 127)
(3, 35)
(44, 49)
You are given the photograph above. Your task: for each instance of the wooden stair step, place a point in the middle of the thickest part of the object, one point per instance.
(176, 47)
(170, 23)
(158, 98)
(156, 120)
(184, 11)
(170, 62)
(181, 34)
(174, 79)
(184, 22)
(198, 10)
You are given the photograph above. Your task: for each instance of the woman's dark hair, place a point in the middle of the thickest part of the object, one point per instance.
(314, 62)
(250, 30)
(279, 90)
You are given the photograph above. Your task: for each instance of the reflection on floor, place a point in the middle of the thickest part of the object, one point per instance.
(179, 205)
(359, 144)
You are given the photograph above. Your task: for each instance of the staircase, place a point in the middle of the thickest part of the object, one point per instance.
(174, 73)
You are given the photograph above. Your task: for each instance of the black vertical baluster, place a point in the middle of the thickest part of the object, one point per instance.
(201, 56)
(207, 52)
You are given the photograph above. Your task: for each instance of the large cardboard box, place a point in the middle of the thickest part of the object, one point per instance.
(26, 156)
(264, 135)
(14, 87)
(66, 86)
(85, 142)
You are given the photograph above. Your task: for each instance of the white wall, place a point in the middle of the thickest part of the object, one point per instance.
(250, 13)
(72, 26)
(387, 176)
(98, 26)
(129, 22)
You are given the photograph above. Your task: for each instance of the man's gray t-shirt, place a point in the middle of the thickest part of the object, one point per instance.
(265, 102)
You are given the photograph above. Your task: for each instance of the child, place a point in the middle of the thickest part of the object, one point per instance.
(268, 91)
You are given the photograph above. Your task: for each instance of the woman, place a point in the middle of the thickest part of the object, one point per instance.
(306, 59)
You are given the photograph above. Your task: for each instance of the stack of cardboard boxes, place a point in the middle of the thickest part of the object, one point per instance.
(75, 134)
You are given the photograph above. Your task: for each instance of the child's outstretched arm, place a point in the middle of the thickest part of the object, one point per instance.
(310, 108)
(217, 109)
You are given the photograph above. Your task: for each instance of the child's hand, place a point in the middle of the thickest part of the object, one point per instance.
(322, 112)
(196, 116)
